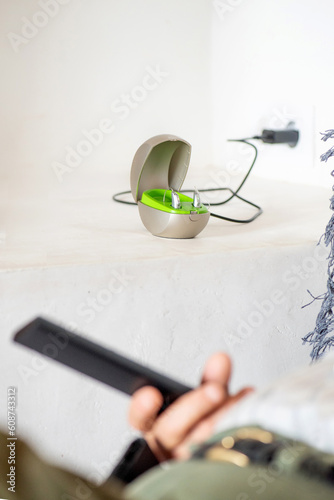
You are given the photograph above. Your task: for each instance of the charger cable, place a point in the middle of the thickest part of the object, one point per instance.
(287, 136)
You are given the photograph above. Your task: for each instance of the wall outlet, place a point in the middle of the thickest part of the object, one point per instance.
(296, 164)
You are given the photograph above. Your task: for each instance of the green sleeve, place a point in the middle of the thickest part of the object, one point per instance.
(30, 478)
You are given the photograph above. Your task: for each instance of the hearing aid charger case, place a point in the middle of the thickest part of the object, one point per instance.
(158, 170)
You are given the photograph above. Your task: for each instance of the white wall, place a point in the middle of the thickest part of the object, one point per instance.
(272, 63)
(64, 77)
(228, 69)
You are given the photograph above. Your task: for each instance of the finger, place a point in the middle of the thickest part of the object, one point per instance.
(176, 421)
(218, 369)
(144, 407)
(232, 400)
(245, 391)
(241, 394)
(205, 428)
(200, 433)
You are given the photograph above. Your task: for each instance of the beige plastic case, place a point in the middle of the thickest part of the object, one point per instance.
(162, 163)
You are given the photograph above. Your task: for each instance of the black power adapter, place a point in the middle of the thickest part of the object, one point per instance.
(286, 136)
(289, 136)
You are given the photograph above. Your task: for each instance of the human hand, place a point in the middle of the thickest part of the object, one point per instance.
(191, 418)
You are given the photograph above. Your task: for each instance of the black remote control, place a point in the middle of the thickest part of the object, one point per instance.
(89, 358)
